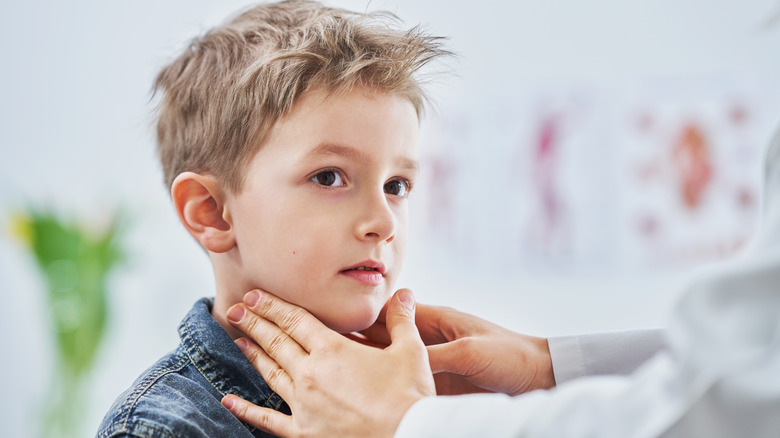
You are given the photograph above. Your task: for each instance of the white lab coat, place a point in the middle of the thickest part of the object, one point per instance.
(719, 376)
(598, 354)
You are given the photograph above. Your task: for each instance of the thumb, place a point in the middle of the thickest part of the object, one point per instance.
(400, 318)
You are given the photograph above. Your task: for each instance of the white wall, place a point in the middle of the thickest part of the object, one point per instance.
(75, 134)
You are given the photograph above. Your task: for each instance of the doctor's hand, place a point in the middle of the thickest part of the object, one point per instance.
(469, 354)
(333, 385)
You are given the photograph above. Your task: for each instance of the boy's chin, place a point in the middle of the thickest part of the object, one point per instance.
(348, 322)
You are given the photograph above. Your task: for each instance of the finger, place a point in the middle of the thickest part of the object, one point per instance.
(265, 419)
(427, 318)
(298, 323)
(400, 320)
(447, 357)
(431, 324)
(275, 342)
(274, 375)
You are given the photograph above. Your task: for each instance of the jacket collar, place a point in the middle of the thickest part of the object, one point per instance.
(220, 361)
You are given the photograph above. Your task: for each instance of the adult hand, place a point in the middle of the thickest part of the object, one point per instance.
(469, 354)
(333, 385)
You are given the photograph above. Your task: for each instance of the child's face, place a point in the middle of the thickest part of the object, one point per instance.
(322, 221)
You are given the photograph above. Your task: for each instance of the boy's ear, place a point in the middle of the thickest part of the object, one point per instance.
(200, 203)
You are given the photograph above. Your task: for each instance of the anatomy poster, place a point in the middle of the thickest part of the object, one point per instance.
(581, 177)
(690, 175)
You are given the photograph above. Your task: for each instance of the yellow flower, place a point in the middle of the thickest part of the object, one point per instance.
(20, 227)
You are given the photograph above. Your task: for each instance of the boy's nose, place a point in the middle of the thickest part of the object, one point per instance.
(377, 221)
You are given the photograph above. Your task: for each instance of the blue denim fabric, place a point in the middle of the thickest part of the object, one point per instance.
(180, 395)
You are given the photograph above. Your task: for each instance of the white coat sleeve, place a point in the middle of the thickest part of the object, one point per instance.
(718, 377)
(603, 353)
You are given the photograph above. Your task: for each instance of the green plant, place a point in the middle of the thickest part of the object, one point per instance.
(75, 259)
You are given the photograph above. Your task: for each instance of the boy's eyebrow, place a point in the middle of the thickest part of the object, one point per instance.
(356, 155)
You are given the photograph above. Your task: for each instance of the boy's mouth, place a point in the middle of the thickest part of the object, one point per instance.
(368, 266)
(369, 272)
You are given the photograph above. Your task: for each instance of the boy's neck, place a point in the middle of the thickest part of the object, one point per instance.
(230, 288)
(219, 312)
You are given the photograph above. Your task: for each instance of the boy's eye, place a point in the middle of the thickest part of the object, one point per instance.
(397, 187)
(328, 178)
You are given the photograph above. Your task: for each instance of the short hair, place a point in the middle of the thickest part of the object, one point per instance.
(226, 91)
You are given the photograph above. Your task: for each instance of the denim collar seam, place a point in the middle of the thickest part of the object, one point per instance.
(147, 383)
(201, 362)
(138, 428)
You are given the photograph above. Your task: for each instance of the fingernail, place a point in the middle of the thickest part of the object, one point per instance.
(406, 298)
(251, 298)
(227, 402)
(241, 344)
(236, 314)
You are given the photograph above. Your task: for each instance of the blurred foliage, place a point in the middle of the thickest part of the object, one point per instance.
(75, 259)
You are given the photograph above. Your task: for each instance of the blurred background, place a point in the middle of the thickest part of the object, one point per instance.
(582, 162)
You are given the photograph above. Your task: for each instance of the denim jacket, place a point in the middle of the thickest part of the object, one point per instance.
(180, 395)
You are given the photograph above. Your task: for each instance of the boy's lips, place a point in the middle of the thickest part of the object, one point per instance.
(369, 272)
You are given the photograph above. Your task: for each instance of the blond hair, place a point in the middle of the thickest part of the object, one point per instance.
(223, 95)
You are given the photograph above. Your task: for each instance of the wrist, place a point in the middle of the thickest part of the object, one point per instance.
(405, 410)
(391, 416)
(537, 370)
(546, 376)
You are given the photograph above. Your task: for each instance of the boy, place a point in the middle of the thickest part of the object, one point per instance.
(288, 138)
